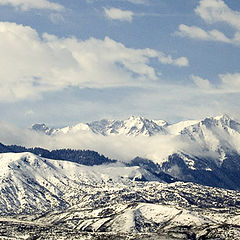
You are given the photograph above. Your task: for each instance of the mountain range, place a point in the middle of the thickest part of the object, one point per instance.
(209, 152)
(140, 126)
(193, 193)
(133, 126)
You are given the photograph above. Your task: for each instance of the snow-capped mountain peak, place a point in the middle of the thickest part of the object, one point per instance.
(141, 126)
(133, 126)
(216, 135)
(223, 117)
(41, 127)
(223, 122)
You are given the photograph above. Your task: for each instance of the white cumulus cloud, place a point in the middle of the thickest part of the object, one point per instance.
(181, 62)
(26, 5)
(213, 11)
(32, 64)
(118, 14)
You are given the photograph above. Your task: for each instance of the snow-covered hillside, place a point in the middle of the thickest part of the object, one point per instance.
(30, 182)
(64, 200)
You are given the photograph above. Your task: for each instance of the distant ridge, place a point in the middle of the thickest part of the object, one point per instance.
(132, 126)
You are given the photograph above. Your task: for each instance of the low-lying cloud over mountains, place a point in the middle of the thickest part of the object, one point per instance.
(125, 139)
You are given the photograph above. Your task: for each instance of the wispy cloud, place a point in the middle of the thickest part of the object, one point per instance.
(137, 1)
(26, 5)
(131, 1)
(201, 82)
(56, 18)
(229, 83)
(118, 14)
(200, 34)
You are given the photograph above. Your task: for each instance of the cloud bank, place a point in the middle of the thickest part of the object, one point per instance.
(123, 148)
(32, 64)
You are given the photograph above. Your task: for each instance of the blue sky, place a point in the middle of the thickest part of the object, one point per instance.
(80, 60)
